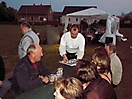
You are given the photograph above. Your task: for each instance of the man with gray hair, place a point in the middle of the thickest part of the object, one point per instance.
(29, 72)
(116, 65)
(29, 37)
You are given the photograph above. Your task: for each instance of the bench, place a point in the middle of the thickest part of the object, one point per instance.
(9, 75)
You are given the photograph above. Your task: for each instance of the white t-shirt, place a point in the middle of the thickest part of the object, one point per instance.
(71, 45)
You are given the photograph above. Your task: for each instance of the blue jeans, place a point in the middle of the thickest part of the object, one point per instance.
(6, 85)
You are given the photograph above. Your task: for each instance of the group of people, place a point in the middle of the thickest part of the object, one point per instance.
(95, 79)
(98, 77)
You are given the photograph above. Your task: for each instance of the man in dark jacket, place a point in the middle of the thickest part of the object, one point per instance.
(29, 72)
(4, 83)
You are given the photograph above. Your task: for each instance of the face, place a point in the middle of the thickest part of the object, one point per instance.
(22, 30)
(74, 33)
(58, 95)
(107, 49)
(38, 54)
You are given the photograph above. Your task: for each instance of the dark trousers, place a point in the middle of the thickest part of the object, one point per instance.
(71, 55)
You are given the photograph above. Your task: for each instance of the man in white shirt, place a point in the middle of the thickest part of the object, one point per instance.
(72, 44)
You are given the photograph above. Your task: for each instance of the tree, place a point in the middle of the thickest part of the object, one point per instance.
(2, 11)
(7, 13)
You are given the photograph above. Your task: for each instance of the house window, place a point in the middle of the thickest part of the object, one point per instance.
(69, 19)
(41, 18)
(76, 19)
(31, 18)
(22, 18)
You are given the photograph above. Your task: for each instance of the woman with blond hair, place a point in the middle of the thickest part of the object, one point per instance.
(102, 63)
(68, 88)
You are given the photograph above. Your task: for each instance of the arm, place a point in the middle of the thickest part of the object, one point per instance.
(27, 82)
(24, 45)
(43, 70)
(80, 52)
(0, 83)
(2, 69)
(62, 48)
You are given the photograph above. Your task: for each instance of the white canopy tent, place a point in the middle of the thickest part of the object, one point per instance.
(94, 13)
(91, 13)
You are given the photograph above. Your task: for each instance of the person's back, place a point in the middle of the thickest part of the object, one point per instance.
(100, 89)
(95, 87)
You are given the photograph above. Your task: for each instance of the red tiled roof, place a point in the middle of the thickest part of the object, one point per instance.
(57, 13)
(34, 9)
(71, 9)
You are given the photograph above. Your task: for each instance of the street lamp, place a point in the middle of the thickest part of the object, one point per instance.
(44, 19)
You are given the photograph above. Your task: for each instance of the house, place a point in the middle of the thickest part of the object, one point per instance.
(35, 14)
(56, 17)
(71, 9)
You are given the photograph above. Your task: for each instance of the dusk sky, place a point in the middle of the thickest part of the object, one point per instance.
(115, 7)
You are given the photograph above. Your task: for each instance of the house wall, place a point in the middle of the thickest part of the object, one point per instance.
(71, 20)
(50, 15)
(36, 18)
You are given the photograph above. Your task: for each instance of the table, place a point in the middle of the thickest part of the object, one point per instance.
(45, 91)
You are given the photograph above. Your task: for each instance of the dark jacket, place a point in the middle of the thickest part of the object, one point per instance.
(25, 76)
(2, 69)
(100, 89)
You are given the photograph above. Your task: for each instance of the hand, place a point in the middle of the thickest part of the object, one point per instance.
(65, 59)
(44, 79)
(0, 83)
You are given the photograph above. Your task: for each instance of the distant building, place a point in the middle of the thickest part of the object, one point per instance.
(35, 13)
(57, 17)
(71, 9)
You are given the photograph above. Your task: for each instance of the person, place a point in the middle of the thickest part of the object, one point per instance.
(29, 72)
(4, 83)
(83, 28)
(33, 28)
(68, 88)
(115, 64)
(94, 26)
(100, 49)
(102, 62)
(72, 44)
(95, 87)
(29, 37)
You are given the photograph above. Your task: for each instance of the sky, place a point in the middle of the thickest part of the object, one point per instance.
(115, 7)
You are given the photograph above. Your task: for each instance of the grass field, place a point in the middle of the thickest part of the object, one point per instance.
(10, 36)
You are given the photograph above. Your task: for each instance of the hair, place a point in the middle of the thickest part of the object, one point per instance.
(70, 88)
(25, 24)
(112, 47)
(86, 71)
(74, 27)
(103, 61)
(100, 49)
(31, 49)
